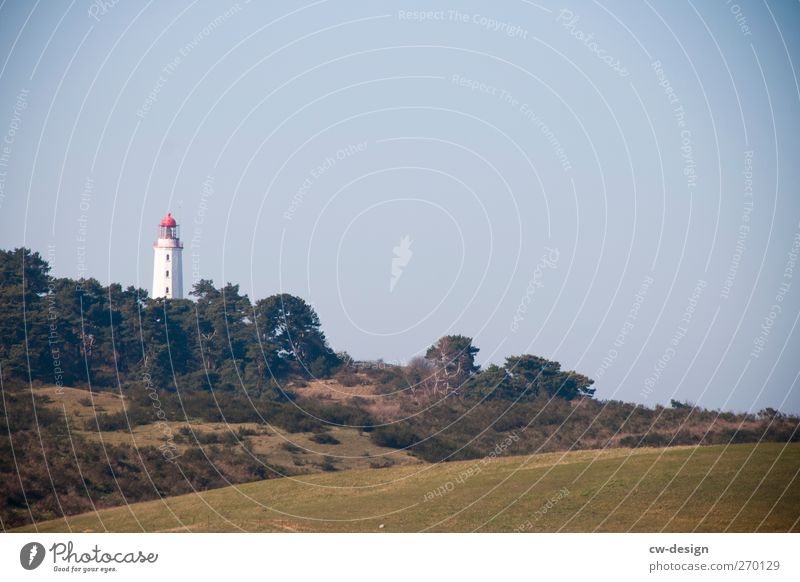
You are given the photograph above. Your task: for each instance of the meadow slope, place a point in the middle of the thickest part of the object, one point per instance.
(739, 488)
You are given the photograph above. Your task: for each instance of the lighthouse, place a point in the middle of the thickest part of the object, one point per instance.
(167, 262)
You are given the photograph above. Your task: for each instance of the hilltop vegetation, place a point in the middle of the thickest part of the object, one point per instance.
(79, 333)
(110, 397)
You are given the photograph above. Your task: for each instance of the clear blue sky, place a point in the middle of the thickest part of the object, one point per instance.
(547, 164)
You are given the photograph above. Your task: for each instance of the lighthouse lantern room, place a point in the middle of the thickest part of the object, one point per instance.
(168, 263)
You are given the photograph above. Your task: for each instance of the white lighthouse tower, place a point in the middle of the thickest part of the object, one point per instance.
(168, 263)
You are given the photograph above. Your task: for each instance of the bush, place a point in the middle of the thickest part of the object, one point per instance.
(348, 379)
(292, 448)
(321, 367)
(394, 436)
(294, 420)
(325, 439)
(207, 438)
(327, 465)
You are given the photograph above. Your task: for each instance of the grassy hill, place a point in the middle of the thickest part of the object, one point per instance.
(741, 487)
(179, 397)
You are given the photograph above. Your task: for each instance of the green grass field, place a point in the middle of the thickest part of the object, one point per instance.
(738, 488)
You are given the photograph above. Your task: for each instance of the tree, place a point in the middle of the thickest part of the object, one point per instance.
(166, 334)
(490, 384)
(126, 312)
(20, 265)
(453, 361)
(222, 332)
(525, 377)
(528, 374)
(290, 326)
(23, 283)
(573, 385)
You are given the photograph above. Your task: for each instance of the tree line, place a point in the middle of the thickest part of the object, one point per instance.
(75, 332)
(69, 332)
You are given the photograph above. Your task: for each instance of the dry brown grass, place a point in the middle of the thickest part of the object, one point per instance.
(334, 390)
(296, 451)
(80, 402)
(382, 406)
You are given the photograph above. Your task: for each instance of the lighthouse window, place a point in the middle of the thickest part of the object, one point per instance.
(167, 273)
(167, 291)
(167, 256)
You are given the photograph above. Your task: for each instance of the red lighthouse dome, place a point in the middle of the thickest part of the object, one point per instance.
(168, 229)
(168, 220)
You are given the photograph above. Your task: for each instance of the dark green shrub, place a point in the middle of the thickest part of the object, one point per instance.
(325, 439)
